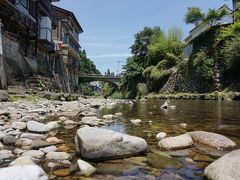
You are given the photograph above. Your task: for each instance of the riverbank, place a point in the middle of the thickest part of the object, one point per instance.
(71, 138)
(234, 96)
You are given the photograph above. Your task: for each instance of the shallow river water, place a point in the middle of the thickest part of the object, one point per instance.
(222, 117)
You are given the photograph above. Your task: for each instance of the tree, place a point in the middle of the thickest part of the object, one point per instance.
(195, 16)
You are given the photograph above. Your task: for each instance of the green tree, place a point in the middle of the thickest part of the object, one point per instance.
(195, 16)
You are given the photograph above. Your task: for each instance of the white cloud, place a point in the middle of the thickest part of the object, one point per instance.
(101, 56)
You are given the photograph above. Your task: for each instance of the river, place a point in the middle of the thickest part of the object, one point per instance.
(214, 116)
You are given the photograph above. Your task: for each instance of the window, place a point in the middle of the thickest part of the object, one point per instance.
(24, 3)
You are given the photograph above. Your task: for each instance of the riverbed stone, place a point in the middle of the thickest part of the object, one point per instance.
(86, 169)
(212, 139)
(136, 121)
(23, 142)
(48, 149)
(6, 154)
(9, 140)
(19, 125)
(161, 135)
(161, 161)
(2, 135)
(227, 167)
(37, 144)
(174, 143)
(4, 96)
(54, 140)
(34, 153)
(28, 172)
(91, 121)
(33, 136)
(22, 161)
(57, 156)
(52, 125)
(109, 117)
(38, 127)
(106, 144)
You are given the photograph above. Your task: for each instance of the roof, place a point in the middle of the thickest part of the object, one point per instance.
(70, 14)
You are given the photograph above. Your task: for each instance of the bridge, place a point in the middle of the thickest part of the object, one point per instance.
(111, 79)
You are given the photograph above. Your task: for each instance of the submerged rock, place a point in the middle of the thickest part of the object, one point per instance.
(227, 167)
(212, 139)
(136, 121)
(29, 172)
(175, 143)
(162, 161)
(85, 168)
(97, 143)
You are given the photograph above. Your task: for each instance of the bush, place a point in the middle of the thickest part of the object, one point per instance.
(142, 89)
(117, 95)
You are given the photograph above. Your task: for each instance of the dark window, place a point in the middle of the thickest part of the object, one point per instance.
(24, 3)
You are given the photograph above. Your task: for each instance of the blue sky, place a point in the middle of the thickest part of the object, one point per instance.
(109, 25)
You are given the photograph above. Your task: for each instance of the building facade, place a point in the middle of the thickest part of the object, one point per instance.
(40, 39)
(66, 38)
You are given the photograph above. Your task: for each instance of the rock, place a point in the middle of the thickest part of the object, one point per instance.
(175, 143)
(161, 135)
(34, 153)
(9, 140)
(19, 125)
(33, 136)
(48, 149)
(212, 139)
(226, 167)
(22, 161)
(109, 117)
(4, 96)
(23, 142)
(119, 114)
(18, 152)
(203, 158)
(69, 122)
(39, 111)
(1, 146)
(63, 118)
(107, 143)
(87, 114)
(29, 172)
(136, 121)
(37, 144)
(165, 105)
(161, 161)
(183, 125)
(85, 168)
(95, 105)
(91, 121)
(2, 135)
(64, 148)
(5, 113)
(52, 125)
(15, 133)
(57, 156)
(35, 126)
(62, 172)
(54, 140)
(6, 155)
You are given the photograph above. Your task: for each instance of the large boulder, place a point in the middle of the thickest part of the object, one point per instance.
(29, 172)
(92, 143)
(212, 139)
(4, 96)
(227, 167)
(175, 143)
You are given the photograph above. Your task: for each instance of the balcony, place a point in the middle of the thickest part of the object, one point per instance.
(74, 35)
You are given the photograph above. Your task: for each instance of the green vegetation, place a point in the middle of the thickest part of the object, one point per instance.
(157, 64)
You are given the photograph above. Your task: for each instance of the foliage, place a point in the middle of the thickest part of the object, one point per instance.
(203, 66)
(117, 95)
(195, 16)
(87, 91)
(142, 89)
(107, 89)
(86, 65)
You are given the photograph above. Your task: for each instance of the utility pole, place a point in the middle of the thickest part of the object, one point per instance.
(3, 78)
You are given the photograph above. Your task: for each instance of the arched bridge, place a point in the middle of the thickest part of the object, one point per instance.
(111, 79)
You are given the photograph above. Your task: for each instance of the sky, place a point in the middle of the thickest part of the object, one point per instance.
(109, 25)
